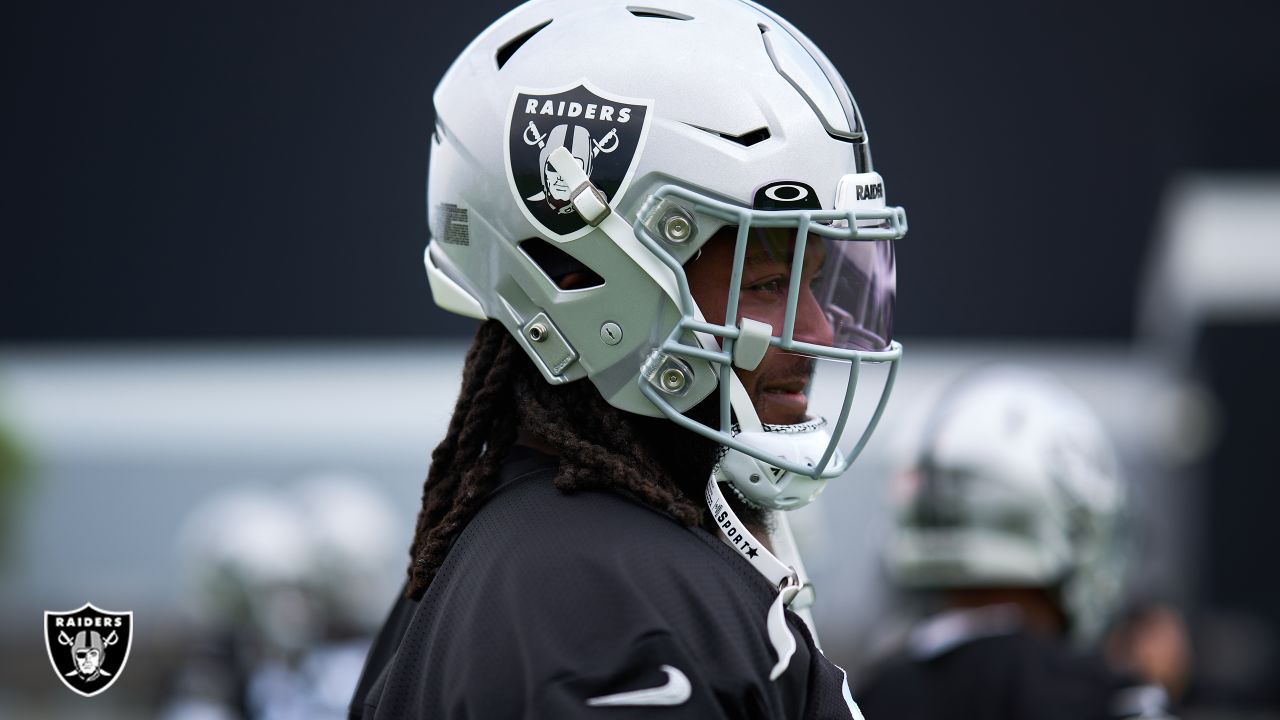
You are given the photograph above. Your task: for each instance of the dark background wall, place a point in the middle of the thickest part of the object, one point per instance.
(256, 170)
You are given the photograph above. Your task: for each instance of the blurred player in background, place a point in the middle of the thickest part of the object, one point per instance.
(1010, 519)
(284, 586)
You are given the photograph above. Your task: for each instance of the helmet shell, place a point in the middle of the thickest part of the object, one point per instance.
(735, 98)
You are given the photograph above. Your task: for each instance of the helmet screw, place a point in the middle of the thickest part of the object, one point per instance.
(611, 333)
(537, 332)
(676, 228)
(754, 478)
(673, 380)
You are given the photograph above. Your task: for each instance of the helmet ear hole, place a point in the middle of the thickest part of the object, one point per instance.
(559, 266)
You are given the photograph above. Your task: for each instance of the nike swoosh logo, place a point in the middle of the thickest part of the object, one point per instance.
(674, 692)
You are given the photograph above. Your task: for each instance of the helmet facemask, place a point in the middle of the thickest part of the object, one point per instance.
(800, 287)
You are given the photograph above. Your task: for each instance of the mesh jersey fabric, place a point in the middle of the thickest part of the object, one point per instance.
(548, 599)
(1014, 676)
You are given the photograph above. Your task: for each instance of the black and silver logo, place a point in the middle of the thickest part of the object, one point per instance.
(88, 647)
(604, 133)
(786, 195)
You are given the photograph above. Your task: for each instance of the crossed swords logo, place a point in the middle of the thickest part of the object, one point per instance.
(606, 144)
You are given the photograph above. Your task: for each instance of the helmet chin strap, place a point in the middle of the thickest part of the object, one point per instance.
(743, 408)
(783, 566)
(785, 578)
(781, 538)
(594, 209)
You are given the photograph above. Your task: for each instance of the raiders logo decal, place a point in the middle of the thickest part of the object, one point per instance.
(88, 647)
(604, 133)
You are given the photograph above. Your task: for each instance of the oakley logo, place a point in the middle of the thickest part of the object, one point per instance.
(675, 691)
(786, 195)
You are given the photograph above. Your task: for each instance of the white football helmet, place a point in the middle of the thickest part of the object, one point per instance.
(1014, 484)
(614, 141)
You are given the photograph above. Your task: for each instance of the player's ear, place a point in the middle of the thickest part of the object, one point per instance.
(579, 280)
(576, 280)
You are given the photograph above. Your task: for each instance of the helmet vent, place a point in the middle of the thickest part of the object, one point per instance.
(556, 264)
(644, 12)
(822, 80)
(507, 50)
(746, 139)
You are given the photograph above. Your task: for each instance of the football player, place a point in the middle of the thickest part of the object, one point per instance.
(1009, 517)
(597, 535)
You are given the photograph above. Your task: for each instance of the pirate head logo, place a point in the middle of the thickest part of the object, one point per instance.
(603, 133)
(88, 647)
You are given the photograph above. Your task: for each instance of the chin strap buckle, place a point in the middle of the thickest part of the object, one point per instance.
(587, 199)
(784, 643)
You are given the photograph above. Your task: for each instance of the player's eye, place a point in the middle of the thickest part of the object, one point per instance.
(774, 285)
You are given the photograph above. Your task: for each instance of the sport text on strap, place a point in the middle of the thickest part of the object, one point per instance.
(782, 576)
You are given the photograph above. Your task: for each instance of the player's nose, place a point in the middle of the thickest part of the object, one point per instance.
(812, 325)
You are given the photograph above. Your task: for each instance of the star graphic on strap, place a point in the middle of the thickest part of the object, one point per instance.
(752, 552)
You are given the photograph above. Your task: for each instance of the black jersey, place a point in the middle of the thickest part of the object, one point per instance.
(1012, 675)
(589, 605)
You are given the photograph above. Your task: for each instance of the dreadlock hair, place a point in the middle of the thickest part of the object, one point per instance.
(650, 459)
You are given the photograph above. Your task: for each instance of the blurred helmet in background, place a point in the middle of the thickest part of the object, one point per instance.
(246, 553)
(292, 566)
(355, 547)
(1014, 484)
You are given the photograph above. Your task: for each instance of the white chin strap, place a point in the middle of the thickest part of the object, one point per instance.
(787, 572)
(784, 577)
